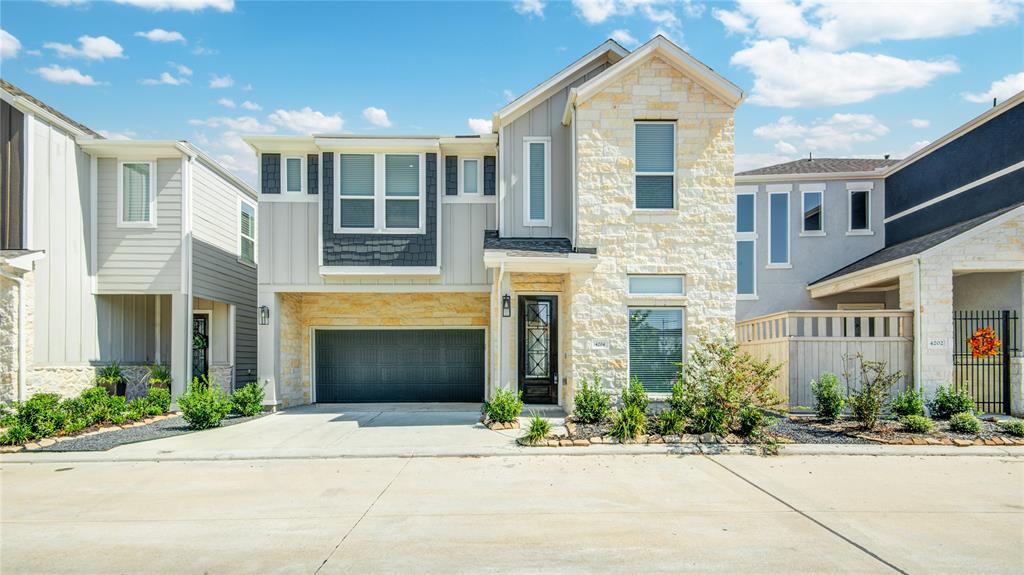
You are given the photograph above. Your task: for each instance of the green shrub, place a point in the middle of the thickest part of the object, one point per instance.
(204, 405)
(159, 399)
(909, 402)
(964, 422)
(1014, 427)
(8, 414)
(160, 376)
(949, 401)
(592, 404)
(628, 423)
(916, 423)
(118, 410)
(504, 407)
(634, 395)
(538, 430)
(16, 434)
(753, 420)
(828, 397)
(137, 409)
(671, 422)
(43, 415)
(875, 382)
(111, 378)
(248, 400)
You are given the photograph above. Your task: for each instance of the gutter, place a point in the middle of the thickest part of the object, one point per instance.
(917, 325)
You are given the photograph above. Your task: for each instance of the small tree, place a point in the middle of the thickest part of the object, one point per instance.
(875, 383)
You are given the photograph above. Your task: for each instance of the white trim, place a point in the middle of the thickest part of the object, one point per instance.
(804, 232)
(375, 288)
(527, 220)
(771, 235)
(860, 186)
(94, 264)
(957, 191)
(151, 192)
(672, 173)
(232, 334)
(814, 187)
(850, 231)
(380, 197)
(778, 188)
(370, 145)
(255, 235)
(499, 192)
(747, 189)
(479, 176)
(156, 327)
(380, 271)
(860, 306)
(27, 106)
(28, 182)
(284, 174)
(292, 198)
(568, 263)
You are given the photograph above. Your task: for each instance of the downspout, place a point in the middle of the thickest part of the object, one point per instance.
(21, 332)
(572, 175)
(917, 325)
(501, 328)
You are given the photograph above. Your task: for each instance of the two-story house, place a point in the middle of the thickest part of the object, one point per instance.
(590, 233)
(136, 252)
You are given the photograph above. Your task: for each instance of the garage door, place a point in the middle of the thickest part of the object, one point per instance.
(399, 365)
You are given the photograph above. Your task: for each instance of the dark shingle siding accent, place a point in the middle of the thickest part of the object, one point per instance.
(821, 166)
(490, 175)
(380, 249)
(312, 174)
(270, 173)
(451, 175)
(532, 245)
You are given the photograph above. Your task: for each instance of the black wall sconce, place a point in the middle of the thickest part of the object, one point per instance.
(264, 315)
(506, 306)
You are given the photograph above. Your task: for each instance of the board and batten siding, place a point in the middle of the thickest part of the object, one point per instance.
(544, 119)
(139, 260)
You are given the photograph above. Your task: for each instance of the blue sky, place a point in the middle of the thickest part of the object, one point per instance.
(832, 78)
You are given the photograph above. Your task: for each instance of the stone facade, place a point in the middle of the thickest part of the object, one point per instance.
(695, 239)
(9, 312)
(69, 381)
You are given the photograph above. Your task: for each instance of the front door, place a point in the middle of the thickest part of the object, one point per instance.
(200, 344)
(538, 348)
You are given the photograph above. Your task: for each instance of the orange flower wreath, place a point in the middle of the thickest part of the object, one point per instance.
(984, 343)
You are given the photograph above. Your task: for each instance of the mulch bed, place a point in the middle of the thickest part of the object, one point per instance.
(891, 432)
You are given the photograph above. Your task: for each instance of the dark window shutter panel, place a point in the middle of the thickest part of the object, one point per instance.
(312, 174)
(490, 175)
(451, 175)
(271, 174)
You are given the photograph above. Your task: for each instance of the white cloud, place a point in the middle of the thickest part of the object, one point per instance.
(59, 75)
(595, 11)
(181, 68)
(509, 95)
(920, 122)
(746, 162)
(693, 9)
(913, 148)
(1000, 89)
(480, 125)
(181, 5)
(217, 82)
(226, 102)
(622, 36)
(807, 77)
(735, 22)
(377, 117)
(89, 48)
(529, 7)
(245, 124)
(9, 45)
(662, 13)
(125, 135)
(248, 105)
(161, 35)
(308, 121)
(165, 79)
(838, 132)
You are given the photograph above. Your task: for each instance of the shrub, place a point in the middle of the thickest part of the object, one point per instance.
(504, 407)
(964, 422)
(16, 434)
(160, 376)
(8, 414)
(949, 402)
(829, 399)
(1013, 427)
(248, 400)
(42, 414)
(538, 430)
(909, 402)
(916, 423)
(753, 421)
(137, 409)
(875, 382)
(112, 379)
(628, 423)
(671, 422)
(159, 399)
(634, 395)
(118, 410)
(592, 404)
(204, 405)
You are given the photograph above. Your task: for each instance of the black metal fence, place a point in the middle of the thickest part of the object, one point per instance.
(986, 378)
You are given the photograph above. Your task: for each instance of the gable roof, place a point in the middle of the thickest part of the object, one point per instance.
(609, 49)
(674, 56)
(822, 166)
(41, 108)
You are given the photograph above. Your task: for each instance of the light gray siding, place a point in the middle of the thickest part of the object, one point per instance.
(139, 260)
(544, 119)
(462, 242)
(128, 329)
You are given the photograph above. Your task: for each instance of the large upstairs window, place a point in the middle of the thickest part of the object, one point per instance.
(380, 193)
(136, 202)
(655, 165)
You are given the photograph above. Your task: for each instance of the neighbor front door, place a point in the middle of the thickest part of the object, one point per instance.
(538, 349)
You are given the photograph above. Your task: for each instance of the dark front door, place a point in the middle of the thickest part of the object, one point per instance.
(200, 344)
(538, 348)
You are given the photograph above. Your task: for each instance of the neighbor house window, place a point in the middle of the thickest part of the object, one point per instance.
(656, 285)
(472, 178)
(401, 191)
(655, 165)
(860, 210)
(655, 346)
(136, 203)
(778, 219)
(247, 232)
(746, 240)
(537, 181)
(294, 174)
(813, 211)
(381, 193)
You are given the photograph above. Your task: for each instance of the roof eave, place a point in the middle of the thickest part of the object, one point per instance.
(817, 176)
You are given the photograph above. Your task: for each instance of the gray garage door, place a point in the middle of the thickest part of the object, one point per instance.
(399, 365)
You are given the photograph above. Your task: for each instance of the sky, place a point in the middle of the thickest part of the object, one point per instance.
(828, 78)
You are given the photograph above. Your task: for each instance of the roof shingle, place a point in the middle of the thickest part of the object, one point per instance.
(821, 166)
(16, 91)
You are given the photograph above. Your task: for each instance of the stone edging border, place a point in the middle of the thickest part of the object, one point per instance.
(48, 441)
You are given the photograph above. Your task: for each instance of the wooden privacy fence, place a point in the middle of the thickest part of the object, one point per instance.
(809, 343)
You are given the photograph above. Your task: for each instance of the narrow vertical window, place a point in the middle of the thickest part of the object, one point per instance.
(745, 284)
(247, 232)
(136, 203)
(471, 176)
(537, 181)
(813, 212)
(655, 347)
(779, 222)
(655, 165)
(744, 213)
(293, 174)
(746, 242)
(860, 210)
(401, 191)
(355, 198)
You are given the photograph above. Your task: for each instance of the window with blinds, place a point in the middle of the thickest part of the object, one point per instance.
(136, 202)
(655, 347)
(247, 233)
(655, 165)
(381, 193)
(401, 191)
(537, 181)
(293, 174)
(356, 202)
(471, 176)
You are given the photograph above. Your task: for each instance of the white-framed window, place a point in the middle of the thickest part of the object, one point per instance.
(659, 285)
(655, 161)
(471, 176)
(859, 209)
(778, 229)
(813, 212)
(136, 198)
(246, 231)
(656, 336)
(537, 181)
(380, 193)
(746, 245)
(293, 174)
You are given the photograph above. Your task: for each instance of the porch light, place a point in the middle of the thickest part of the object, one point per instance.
(506, 306)
(264, 315)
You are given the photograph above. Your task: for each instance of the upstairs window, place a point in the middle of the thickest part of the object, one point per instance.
(779, 232)
(294, 174)
(744, 213)
(860, 211)
(381, 193)
(537, 181)
(814, 222)
(746, 243)
(402, 191)
(356, 201)
(247, 232)
(472, 177)
(136, 204)
(655, 165)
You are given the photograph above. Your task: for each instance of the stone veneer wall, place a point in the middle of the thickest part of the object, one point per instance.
(696, 239)
(9, 310)
(69, 381)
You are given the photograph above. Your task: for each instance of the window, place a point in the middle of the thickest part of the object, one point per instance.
(656, 285)
(814, 222)
(294, 174)
(356, 197)
(246, 232)
(860, 211)
(655, 347)
(746, 242)
(136, 203)
(471, 179)
(655, 165)
(381, 193)
(744, 213)
(779, 229)
(745, 270)
(537, 181)
(402, 191)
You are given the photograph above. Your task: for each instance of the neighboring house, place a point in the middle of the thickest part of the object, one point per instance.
(590, 233)
(136, 252)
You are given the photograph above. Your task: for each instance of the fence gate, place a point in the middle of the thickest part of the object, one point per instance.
(987, 378)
